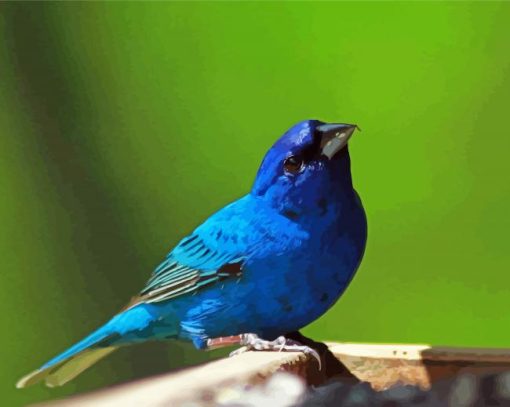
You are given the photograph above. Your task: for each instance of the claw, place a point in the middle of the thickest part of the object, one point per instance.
(239, 351)
(306, 350)
(253, 342)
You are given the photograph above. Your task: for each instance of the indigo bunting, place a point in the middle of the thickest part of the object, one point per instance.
(263, 266)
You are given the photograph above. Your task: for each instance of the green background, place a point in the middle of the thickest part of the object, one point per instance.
(124, 125)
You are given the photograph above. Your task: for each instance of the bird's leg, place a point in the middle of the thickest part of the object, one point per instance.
(215, 343)
(253, 342)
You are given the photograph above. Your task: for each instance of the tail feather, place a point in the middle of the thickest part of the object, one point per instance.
(73, 361)
(97, 345)
(66, 370)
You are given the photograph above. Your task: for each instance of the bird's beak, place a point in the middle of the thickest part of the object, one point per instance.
(334, 137)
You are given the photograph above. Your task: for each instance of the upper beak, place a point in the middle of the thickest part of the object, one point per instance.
(334, 137)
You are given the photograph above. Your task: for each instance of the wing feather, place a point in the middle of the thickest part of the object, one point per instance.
(191, 266)
(219, 248)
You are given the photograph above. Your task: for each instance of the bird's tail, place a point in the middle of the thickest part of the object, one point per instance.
(72, 362)
(94, 347)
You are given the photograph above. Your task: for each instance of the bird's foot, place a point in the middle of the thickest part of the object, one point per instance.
(253, 342)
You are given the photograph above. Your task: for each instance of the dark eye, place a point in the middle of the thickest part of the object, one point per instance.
(293, 164)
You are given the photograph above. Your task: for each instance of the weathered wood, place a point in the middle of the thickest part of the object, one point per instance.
(381, 365)
(384, 366)
(196, 383)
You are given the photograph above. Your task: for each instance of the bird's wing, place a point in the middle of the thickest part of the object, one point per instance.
(218, 249)
(192, 264)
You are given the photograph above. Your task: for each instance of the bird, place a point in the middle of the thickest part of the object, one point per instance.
(265, 265)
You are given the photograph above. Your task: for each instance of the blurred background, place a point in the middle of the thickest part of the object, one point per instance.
(124, 125)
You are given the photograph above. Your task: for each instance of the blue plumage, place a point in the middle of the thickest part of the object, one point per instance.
(269, 263)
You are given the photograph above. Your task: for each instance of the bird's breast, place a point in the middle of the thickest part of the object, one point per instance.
(282, 292)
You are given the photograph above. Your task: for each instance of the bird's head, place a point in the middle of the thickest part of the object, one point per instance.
(307, 171)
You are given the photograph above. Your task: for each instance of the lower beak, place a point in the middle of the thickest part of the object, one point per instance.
(334, 137)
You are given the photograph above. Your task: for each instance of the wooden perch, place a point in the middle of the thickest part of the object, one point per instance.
(383, 366)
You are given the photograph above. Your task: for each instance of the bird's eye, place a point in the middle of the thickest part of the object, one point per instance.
(293, 164)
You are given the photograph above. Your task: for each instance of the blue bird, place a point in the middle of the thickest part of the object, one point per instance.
(265, 265)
